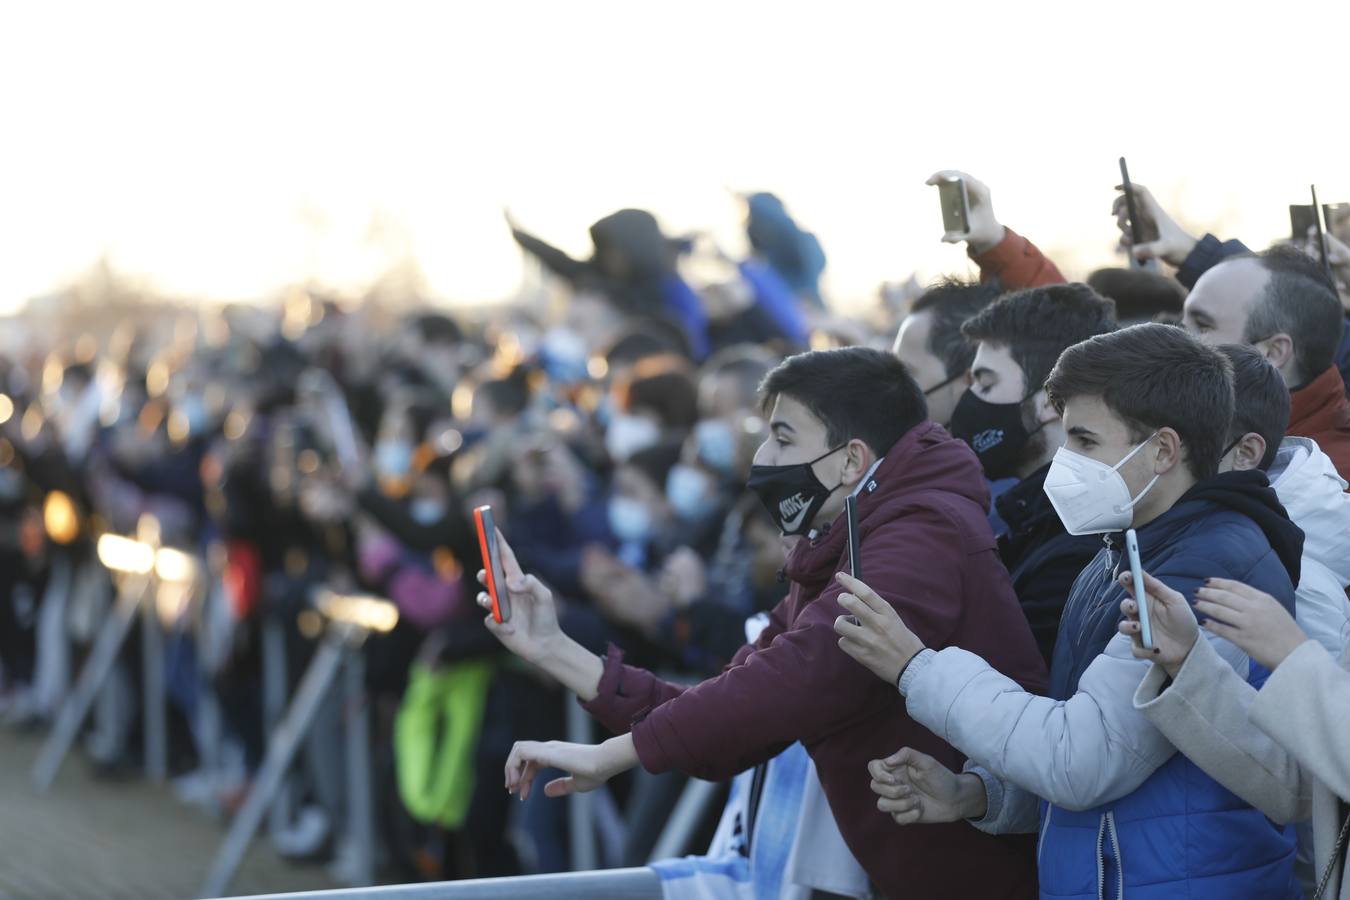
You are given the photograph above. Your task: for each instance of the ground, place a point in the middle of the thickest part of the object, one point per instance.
(114, 839)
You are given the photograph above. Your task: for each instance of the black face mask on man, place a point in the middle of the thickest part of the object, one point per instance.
(995, 431)
(792, 494)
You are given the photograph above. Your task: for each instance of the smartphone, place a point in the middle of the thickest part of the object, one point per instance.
(1321, 238)
(1141, 598)
(955, 206)
(1136, 235)
(492, 564)
(854, 550)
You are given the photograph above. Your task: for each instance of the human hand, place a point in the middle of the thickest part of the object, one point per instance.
(917, 789)
(1162, 237)
(588, 765)
(1170, 620)
(985, 231)
(1251, 619)
(533, 630)
(873, 632)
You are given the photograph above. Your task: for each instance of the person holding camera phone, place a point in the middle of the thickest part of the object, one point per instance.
(1145, 410)
(842, 422)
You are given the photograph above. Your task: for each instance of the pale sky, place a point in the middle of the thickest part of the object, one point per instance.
(226, 150)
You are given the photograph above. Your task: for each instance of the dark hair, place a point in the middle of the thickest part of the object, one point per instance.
(657, 460)
(437, 328)
(1038, 324)
(1140, 295)
(640, 342)
(1154, 376)
(508, 396)
(670, 393)
(950, 302)
(1298, 301)
(857, 392)
(1260, 399)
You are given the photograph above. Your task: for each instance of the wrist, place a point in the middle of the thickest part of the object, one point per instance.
(986, 239)
(1185, 245)
(972, 802)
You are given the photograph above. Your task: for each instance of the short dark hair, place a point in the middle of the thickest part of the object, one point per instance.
(1140, 295)
(1298, 301)
(1260, 399)
(857, 392)
(1154, 376)
(1038, 324)
(951, 302)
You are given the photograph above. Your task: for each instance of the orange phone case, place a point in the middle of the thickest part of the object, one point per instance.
(487, 565)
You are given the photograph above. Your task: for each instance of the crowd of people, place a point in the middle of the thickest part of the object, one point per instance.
(971, 712)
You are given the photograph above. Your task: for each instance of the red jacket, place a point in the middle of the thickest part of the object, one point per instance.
(1017, 263)
(1320, 410)
(927, 549)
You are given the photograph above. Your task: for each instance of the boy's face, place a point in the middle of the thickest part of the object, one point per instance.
(796, 436)
(1093, 430)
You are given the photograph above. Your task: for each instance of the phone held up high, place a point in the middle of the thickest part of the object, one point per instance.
(492, 564)
(1140, 597)
(854, 550)
(955, 206)
(1132, 210)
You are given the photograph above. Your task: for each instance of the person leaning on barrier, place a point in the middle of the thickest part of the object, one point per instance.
(842, 421)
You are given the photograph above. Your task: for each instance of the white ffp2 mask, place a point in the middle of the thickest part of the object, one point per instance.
(1090, 496)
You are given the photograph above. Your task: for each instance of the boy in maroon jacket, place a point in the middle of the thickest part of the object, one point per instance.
(842, 422)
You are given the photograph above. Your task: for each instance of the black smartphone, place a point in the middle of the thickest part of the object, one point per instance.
(854, 550)
(1136, 236)
(1321, 236)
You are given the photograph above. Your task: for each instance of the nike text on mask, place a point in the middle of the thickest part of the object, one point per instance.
(995, 431)
(792, 494)
(1090, 496)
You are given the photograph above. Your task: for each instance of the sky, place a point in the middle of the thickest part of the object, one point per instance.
(223, 151)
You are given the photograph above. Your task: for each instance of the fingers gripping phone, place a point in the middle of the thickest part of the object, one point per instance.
(1140, 597)
(955, 206)
(492, 564)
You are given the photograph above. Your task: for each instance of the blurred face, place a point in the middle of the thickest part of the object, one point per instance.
(926, 368)
(1216, 311)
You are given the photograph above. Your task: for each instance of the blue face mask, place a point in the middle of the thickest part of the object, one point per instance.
(393, 459)
(629, 520)
(716, 444)
(426, 511)
(691, 493)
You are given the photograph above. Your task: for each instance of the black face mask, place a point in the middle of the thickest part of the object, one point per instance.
(793, 494)
(994, 431)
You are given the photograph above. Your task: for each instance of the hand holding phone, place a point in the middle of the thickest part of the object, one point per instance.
(955, 207)
(492, 564)
(1140, 597)
(854, 545)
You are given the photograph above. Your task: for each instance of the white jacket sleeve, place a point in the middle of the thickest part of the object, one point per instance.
(1078, 753)
(1305, 705)
(1205, 713)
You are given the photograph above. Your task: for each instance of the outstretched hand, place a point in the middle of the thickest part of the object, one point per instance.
(1161, 237)
(985, 230)
(872, 632)
(588, 765)
(533, 626)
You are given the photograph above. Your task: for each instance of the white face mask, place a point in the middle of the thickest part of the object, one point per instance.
(1090, 496)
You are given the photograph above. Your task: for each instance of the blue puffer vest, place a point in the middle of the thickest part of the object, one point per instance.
(1180, 834)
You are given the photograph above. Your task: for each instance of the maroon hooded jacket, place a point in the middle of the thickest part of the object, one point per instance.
(926, 549)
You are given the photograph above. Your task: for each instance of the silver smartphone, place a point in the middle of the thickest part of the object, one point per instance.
(1140, 597)
(955, 206)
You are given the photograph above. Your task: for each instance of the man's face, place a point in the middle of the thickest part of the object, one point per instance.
(1216, 311)
(1093, 430)
(926, 368)
(995, 375)
(796, 436)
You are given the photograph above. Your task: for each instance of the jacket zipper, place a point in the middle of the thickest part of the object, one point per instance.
(1045, 828)
(1101, 861)
(1115, 848)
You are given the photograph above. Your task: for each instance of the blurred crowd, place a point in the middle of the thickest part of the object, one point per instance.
(321, 443)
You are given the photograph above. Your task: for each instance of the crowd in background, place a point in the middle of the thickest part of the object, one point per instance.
(611, 427)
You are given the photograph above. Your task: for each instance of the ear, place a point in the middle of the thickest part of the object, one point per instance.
(1045, 411)
(858, 458)
(1279, 350)
(1167, 452)
(1248, 453)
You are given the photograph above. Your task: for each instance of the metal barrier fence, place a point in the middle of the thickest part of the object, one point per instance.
(142, 570)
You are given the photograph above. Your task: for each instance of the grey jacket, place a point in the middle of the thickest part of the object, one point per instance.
(1284, 749)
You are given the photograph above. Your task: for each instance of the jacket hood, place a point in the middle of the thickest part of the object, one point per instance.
(635, 235)
(926, 459)
(1250, 493)
(1313, 494)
